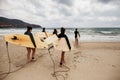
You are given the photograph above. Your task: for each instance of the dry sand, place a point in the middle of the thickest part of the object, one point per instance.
(90, 61)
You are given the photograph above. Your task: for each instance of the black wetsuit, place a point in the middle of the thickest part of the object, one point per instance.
(76, 32)
(55, 33)
(31, 37)
(66, 38)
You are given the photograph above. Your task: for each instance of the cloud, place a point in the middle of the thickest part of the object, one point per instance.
(104, 5)
(114, 2)
(66, 11)
(105, 1)
(108, 19)
(65, 2)
(69, 13)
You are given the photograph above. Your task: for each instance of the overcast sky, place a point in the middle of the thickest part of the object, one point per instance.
(67, 13)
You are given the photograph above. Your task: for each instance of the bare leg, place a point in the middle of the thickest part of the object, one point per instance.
(33, 53)
(28, 55)
(76, 42)
(62, 57)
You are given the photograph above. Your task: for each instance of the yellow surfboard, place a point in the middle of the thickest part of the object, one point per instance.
(24, 40)
(62, 45)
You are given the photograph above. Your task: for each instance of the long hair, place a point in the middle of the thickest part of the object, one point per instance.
(62, 30)
(29, 28)
(43, 30)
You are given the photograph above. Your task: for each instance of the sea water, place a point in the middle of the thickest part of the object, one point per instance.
(86, 34)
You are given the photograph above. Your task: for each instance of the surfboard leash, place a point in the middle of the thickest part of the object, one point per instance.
(53, 63)
(9, 62)
(54, 68)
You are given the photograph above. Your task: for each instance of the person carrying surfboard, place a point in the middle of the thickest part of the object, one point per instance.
(28, 32)
(63, 35)
(45, 33)
(55, 32)
(76, 37)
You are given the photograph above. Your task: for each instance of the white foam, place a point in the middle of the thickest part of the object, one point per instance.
(83, 38)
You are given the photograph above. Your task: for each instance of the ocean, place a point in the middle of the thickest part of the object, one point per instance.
(87, 34)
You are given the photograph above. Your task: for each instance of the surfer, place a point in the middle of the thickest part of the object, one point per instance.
(55, 31)
(45, 33)
(28, 32)
(76, 37)
(63, 35)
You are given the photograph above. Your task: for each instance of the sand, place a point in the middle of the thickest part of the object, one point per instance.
(89, 61)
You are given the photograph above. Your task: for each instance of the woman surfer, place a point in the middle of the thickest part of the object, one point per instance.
(28, 32)
(63, 35)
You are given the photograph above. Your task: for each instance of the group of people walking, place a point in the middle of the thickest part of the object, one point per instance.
(59, 35)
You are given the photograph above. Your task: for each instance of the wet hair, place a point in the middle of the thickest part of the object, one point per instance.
(29, 28)
(43, 30)
(76, 29)
(62, 30)
(55, 30)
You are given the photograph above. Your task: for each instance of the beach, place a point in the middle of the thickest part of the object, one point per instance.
(89, 61)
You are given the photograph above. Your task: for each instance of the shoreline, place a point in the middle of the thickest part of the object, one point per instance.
(87, 35)
(81, 41)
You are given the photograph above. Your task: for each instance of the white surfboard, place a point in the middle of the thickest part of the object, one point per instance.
(62, 45)
(78, 36)
(43, 34)
(51, 39)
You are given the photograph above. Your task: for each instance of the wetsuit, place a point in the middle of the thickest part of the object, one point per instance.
(31, 37)
(76, 32)
(66, 38)
(55, 33)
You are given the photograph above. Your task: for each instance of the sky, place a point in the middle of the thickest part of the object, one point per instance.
(63, 13)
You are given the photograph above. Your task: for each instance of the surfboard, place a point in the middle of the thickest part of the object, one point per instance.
(78, 36)
(62, 45)
(51, 39)
(42, 35)
(24, 40)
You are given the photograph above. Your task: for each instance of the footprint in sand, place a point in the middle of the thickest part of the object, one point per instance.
(97, 60)
(114, 66)
(76, 57)
(78, 52)
(76, 61)
(83, 56)
(66, 75)
(74, 66)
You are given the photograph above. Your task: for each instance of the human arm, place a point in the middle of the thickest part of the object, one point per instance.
(32, 39)
(68, 43)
